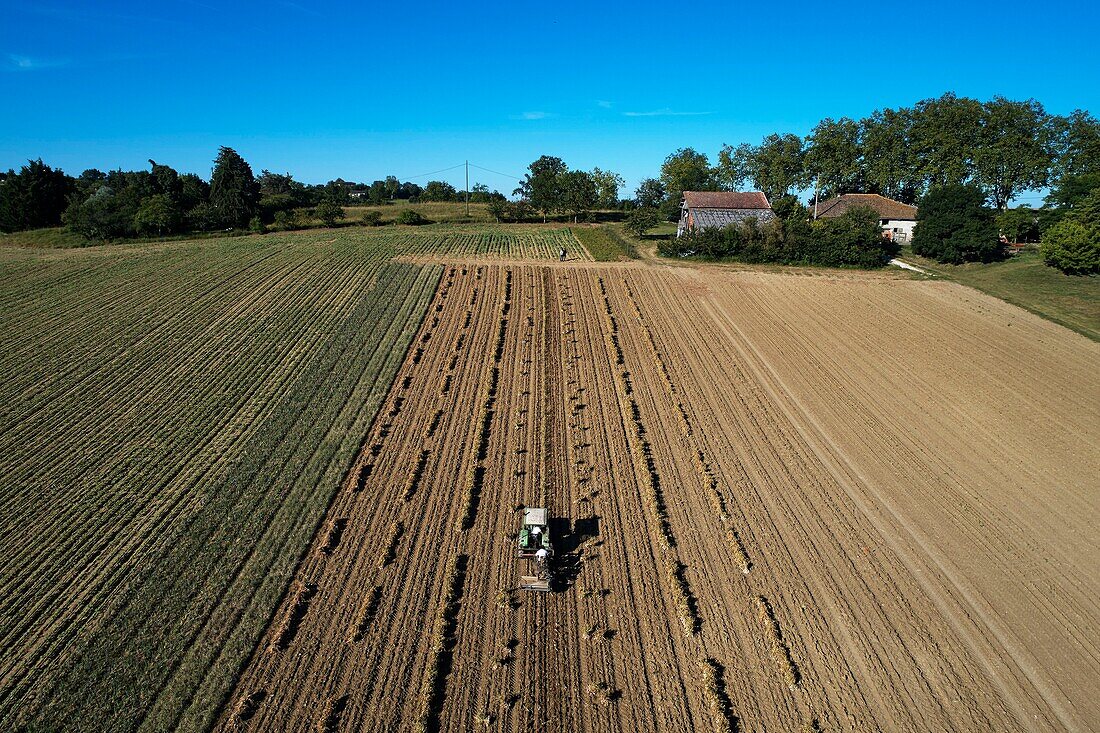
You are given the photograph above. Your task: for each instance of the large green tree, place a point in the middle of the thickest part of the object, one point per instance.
(649, 194)
(1078, 142)
(834, 157)
(158, 215)
(1014, 150)
(944, 137)
(775, 166)
(438, 191)
(542, 185)
(608, 184)
(234, 193)
(579, 193)
(33, 198)
(685, 170)
(890, 164)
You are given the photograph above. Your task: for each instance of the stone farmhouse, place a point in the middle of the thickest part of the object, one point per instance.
(896, 219)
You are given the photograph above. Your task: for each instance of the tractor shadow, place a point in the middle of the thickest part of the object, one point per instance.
(568, 539)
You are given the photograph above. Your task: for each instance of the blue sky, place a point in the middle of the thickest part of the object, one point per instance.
(362, 90)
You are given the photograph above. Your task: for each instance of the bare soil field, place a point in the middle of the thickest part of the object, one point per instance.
(780, 502)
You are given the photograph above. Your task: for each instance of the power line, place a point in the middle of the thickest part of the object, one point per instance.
(461, 165)
(432, 173)
(488, 170)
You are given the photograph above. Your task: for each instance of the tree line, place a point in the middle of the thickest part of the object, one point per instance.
(962, 160)
(162, 201)
(1003, 147)
(550, 187)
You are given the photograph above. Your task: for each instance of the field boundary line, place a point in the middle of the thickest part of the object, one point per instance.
(847, 475)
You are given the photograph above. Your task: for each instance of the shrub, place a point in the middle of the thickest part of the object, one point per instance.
(853, 238)
(256, 225)
(1019, 224)
(286, 220)
(498, 209)
(329, 213)
(1072, 247)
(639, 221)
(272, 204)
(99, 217)
(202, 218)
(157, 215)
(955, 226)
(372, 218)
(411, 218)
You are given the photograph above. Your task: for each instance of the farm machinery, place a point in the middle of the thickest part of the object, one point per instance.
(534, 544)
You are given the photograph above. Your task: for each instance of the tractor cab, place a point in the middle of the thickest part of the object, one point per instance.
(534, 534)
(534, 543)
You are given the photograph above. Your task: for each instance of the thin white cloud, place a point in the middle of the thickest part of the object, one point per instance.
(532, 116)
(603, 103)
(17, 62)
(666, 112)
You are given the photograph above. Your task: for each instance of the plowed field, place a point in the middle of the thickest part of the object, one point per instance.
(781, 502)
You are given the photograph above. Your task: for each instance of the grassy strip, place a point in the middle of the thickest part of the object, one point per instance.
(205, 580)
(605, 243)
(1024, 281)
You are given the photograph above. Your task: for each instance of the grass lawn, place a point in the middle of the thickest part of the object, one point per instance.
(58, 237)
(1024, 280)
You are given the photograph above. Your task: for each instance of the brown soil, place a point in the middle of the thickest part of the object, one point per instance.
(781, 502)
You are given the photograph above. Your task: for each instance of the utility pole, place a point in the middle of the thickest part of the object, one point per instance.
(467, 188)
(816, 196)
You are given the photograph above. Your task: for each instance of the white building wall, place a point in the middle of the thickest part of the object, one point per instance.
(902, 229)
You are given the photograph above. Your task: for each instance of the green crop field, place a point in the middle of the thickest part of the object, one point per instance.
(606, 243)
(174, 420)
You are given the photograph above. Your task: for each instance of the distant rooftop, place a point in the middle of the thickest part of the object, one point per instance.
(886, 208)
(726, 200)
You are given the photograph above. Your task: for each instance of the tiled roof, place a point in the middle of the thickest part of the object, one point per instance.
(726, 200)
(886, 208)
(721, 218)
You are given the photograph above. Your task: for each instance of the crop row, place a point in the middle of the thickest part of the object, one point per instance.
(662, 366)
(442, 646)
(714, 690)
(781, 653)
(179, 485)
